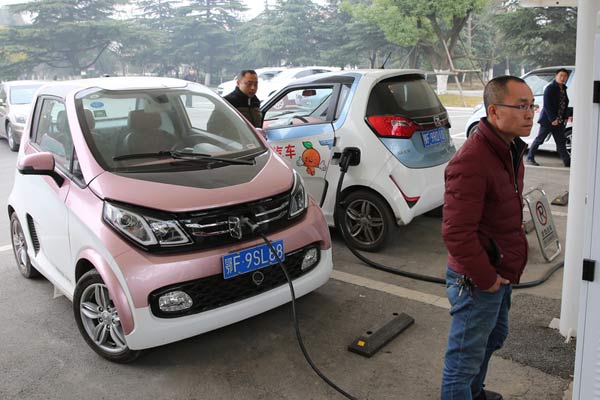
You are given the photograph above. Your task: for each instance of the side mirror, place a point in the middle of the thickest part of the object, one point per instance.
(40, 164)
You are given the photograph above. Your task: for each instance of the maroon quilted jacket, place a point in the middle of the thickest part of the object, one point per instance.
(483, 209)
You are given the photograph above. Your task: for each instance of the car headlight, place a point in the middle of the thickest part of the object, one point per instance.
(477, 107)
(20, 119)
(298, 198)
(144, 230)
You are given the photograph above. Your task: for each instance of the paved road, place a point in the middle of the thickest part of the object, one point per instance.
(42, 355)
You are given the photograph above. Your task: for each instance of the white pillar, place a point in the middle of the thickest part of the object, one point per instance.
(582, 106)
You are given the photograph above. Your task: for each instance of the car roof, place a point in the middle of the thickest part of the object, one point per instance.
(62, 88)
(551, 69)
(23, 82)
(351, 74)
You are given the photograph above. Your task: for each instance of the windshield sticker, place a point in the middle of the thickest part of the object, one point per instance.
(96, 104)
(311, 159)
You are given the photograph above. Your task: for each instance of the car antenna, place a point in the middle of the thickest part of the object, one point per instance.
(386, 60)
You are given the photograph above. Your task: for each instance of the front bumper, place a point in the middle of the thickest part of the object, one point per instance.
(151, 331)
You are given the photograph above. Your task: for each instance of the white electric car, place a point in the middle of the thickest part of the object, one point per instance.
(537, 80)
(393, 118)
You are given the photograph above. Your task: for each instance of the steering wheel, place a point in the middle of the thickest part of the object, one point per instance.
(301, 118)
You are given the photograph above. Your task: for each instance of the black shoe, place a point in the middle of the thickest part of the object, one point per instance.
(488, 395)
(532, 162)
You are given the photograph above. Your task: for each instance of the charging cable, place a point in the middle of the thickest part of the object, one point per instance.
(351, 156)
(254, 228)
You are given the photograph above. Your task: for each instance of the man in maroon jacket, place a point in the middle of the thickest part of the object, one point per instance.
(483, 213)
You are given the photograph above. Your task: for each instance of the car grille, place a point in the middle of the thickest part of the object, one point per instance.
(215, 291)
(224, 225)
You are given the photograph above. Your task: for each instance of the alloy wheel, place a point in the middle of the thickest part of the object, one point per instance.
(364, 222)
(101, 320)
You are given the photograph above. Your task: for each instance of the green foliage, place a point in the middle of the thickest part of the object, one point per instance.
(65, 33)
(424, 24)
(162, 36)
(539, 36)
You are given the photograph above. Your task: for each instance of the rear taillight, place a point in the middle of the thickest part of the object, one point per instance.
(392, 126)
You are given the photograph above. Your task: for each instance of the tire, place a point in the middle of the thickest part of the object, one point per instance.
(10, 136)
(98, 320)
(437, 212)
(568, 143)
(472, 129)
(366, 220)
(19, 245)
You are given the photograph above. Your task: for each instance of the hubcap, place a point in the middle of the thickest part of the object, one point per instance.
(364, 221)
(19, 246)
(9, 135)
(101, 320)
(568, 144)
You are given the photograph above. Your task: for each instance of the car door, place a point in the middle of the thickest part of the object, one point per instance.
(298, 125)
(46, 201)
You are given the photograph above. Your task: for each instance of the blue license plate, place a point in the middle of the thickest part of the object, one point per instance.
(433, 137)
(251, 259)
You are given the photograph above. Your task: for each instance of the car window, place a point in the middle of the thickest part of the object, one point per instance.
(300, 106)
(405, 95)
(53, 133)
(22, 94)
(345, 91)
(538, 81)
(302, 74)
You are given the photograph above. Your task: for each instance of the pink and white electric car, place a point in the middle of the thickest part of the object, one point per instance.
(143, 199)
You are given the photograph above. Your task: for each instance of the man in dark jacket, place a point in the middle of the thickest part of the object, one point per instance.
(244, 97)
(553, 118)
(481, 228)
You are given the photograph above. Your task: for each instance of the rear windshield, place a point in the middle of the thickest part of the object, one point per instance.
(408, 95)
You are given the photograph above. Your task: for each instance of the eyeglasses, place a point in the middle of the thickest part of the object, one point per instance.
(521, 107)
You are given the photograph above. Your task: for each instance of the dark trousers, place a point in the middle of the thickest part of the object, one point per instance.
(558, 133)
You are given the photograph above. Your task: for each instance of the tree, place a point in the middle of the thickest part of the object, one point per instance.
(539, 36)
(431, 26)
(203, 36)
(66, 33)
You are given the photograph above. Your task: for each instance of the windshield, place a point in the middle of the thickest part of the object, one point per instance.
(121, 125)
(23, 94)
(538, 81)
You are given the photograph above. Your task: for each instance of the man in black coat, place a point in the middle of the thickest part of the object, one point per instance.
(553, 118)
(244, 97)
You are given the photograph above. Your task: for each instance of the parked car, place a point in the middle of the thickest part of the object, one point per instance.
(284, 78)
(537, 80)
(15, 103)
(394, 119)
(264, 75)
(148, 215)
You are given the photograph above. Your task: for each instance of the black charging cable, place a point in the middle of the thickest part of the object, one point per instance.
(351, 156)
(255, 229)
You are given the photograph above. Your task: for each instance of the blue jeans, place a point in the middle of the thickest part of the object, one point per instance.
(479, 327)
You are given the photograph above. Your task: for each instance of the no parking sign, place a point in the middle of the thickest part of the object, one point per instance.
(543, 223)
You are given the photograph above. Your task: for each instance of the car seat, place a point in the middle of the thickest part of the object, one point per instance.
(145, 135)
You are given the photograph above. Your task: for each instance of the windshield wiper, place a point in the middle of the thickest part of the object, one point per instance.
(207, 157)
(183, 156)
(158, 154)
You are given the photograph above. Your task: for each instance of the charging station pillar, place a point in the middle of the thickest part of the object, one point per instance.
(583, 138)
(587, 375)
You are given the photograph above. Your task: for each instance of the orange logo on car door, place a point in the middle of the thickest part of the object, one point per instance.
(311, 159)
